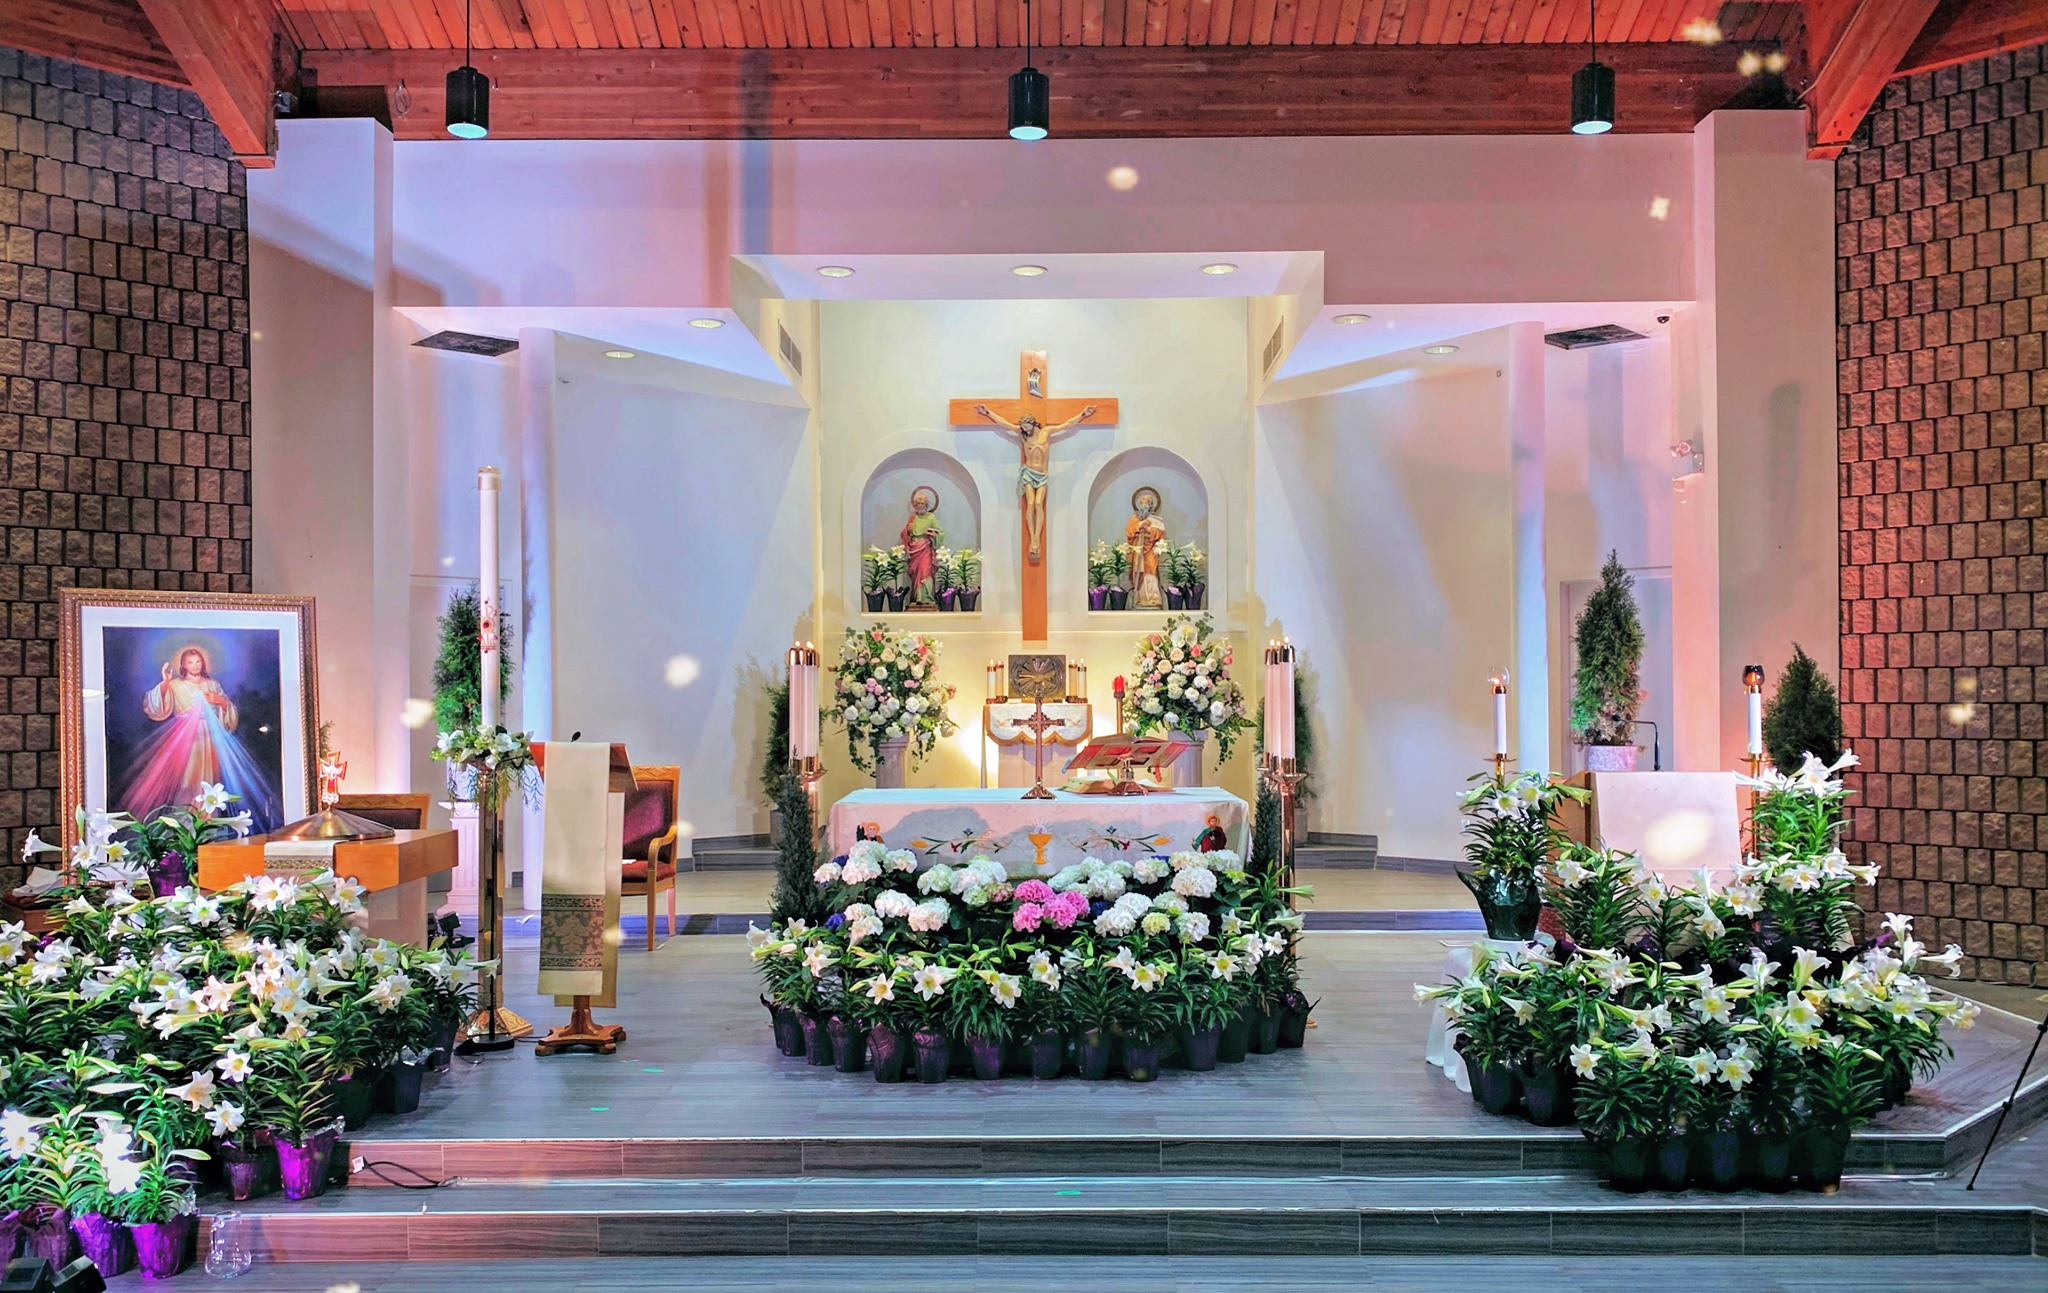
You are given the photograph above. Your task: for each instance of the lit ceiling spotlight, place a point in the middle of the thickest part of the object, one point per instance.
(620, 354)
(836, 271)
(1444, 349)
(1030, 93)
(469, 94)
(1593, 88)
(707, 323)
(1220, 267)
(1352, 319)
(1027, 271)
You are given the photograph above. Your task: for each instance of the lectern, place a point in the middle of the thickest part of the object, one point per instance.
(570, 938)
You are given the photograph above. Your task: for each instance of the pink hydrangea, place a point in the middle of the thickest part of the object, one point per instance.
(1027, 917)
(1066, 908)
(1034, 891)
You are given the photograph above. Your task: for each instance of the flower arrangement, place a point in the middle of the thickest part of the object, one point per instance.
(1181, 683)
(1128, 957)
(1693, 1028)
(1510, 828)
(887, 685)
(496, 754)
(147, 1031)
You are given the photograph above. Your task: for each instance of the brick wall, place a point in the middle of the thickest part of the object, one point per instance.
(1941, 241)
(124, 366)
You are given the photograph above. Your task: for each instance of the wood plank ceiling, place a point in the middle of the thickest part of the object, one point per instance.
(954, 24)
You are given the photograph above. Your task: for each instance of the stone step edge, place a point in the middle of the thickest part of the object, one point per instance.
(1622, 1229)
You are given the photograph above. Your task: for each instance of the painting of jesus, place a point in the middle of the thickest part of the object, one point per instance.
(166, 692)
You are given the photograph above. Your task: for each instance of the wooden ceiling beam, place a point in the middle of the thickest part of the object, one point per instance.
(229, 50)
(112, 35)
(1961, 31)
(1098, 92)
(1855, 46)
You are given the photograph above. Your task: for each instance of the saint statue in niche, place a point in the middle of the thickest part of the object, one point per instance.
(1144, 534)
(922, 538)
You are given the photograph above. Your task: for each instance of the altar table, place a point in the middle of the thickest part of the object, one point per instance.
(394, 870)
(1037, 836)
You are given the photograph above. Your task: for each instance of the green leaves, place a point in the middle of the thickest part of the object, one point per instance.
(1804, 716)
(1607, 689)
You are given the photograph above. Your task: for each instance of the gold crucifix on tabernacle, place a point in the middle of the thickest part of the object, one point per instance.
(1033, 418)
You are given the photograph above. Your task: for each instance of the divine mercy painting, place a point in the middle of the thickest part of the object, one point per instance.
(167, 692)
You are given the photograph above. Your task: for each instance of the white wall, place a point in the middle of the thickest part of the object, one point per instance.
(682, 533)
(1384, 540)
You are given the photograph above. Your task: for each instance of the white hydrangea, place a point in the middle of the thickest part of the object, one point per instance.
(1186, 858)
(1150, 870)
(894, 904)
(1192, 926)
(866, 850)
(930, 915)
(1170, 902)
(826, 873)
(900, 860)
(939, 879)
(860, 870)
(1195, 882)
(1115, 923)
(1156, 922)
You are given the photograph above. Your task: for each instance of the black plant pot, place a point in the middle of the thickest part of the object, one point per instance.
(443, 1053)
(985, 1057)
(970, 599)
(1546, 1093)
(849, 1044)
(897, 596)
(1119, 598)
(1141, 1058)
(1769, 1164)
(1496, 1086)
(1098, 1050)
(355, 1095)
(1719, 1159)
(933, 1052)
(1195, 593)
(876, 600)
(890, 1052)
(1628, 1164)
(1048, 1054)
(1235, 1041)
(1673, 1167)
(1820, 1164)
(1176, 600)
(817, 1040)
(1265, 1037)
(1510, 904)
(398, 1088)
(1200, 1047)
(789, 1030)
(1294, 1013)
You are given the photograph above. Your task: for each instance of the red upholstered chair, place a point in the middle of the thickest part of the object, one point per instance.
(649, 867)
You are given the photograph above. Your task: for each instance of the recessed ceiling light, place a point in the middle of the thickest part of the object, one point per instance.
(1027, 271)
(618, 354)
(836, 271)
(707, 323)
(1352, 318)
(1220, 267)
(1439, 350)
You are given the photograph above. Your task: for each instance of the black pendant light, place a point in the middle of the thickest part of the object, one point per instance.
(469, 94)
(1030, 94)
(1593, 88)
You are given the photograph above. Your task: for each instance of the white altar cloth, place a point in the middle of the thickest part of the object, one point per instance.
(954, 825)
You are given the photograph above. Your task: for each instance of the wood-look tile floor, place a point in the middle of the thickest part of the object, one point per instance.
(883, 1274)
(698, 1062)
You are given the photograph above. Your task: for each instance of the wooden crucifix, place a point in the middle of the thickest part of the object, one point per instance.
(1034, 417)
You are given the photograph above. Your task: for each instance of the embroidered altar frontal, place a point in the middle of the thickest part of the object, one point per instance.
(1037, 836)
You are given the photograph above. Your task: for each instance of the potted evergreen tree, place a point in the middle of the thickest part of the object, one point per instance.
(1607, 690)
(458, 676)
(1804, 715)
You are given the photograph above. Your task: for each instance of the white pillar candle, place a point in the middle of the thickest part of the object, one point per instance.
(1284, 694)
(1756, 722)
(1269, 687)
(487, 484)
(812, 674)
(1500, 715)
(799, 681)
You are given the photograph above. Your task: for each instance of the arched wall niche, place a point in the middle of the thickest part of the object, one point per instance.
(1184, 499)
(885, 499)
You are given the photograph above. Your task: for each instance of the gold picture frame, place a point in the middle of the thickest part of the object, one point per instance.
(92, 621)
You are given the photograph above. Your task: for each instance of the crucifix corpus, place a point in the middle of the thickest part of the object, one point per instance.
(1033, 418)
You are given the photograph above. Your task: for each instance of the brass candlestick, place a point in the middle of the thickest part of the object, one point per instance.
(493, 1028)
(1284, 776)
(810, 770)
(1039, 723)
(1753, 689)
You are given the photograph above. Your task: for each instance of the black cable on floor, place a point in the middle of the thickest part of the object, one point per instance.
(431, 1183)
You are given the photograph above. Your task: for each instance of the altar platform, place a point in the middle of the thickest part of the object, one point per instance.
(697, 1139)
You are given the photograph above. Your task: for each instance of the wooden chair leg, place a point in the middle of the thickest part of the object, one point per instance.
(671, 909)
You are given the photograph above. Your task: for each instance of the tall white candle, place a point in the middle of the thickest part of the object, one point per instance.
(1500, 715)
(799, 683)
(1756, 722)
(811, 708)
(1284, 693)
(1269, 733)
(487, 484)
